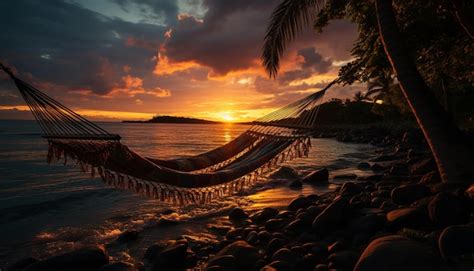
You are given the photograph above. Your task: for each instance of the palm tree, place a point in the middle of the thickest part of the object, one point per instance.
(454, 160)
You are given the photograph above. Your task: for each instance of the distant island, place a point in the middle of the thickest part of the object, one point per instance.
(173, 119)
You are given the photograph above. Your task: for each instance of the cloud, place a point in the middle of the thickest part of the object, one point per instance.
(314, 61)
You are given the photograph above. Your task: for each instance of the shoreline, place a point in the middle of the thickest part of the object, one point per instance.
(393, 204)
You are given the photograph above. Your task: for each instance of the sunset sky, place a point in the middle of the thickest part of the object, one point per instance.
(132, 59)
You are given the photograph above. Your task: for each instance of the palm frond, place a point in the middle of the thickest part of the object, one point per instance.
(287, 20)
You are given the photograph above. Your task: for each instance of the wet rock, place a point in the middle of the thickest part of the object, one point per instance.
(264, 215)
(118, 266)
(235, 234)
(345, 176)
(21, 264)
(430, 178)
(227, 262)
(447, 209)
(154, 251)
(90, 258)
(172, 257)
(332, 217)
(321, 267)
(407, 194)
(237, 216)
(388, 205)
(350, 188)
(306, 263)
(406, 217)
(264, 236)
(422, 167)
(345, 260)
(398, 169)
(368, 223)
(298, 203)
(284, 172)
(457, 240)
(295, 226)
(275, 244)
(295, 184)
(363, 165)
(275, 224)
(127, 236)
(371, 178)
(377, 167)
(395, 252)
(285, 255)
(317, 177)
(278, 266)
(252, 238)
(337, 246)
(245, 254)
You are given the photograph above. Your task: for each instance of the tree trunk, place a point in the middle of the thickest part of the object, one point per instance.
(454, 160)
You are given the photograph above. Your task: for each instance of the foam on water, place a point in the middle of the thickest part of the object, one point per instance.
(47, 209)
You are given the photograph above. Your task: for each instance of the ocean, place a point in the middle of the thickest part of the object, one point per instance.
(48, 209)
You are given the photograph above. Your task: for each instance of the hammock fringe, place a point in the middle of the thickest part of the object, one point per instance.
(180, 195)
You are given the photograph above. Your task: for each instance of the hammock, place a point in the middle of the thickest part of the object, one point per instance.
(280, 136)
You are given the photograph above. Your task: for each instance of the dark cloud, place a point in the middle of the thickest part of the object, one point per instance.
(60, 42)
(162, 10)
(314, 61)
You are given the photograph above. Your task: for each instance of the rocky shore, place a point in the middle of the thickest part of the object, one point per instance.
(399, 217)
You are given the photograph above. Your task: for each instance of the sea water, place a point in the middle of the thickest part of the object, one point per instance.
(47, 209)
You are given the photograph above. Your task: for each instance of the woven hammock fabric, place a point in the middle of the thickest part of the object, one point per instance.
(280, 136)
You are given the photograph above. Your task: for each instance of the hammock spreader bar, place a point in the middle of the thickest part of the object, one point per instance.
(278, 137)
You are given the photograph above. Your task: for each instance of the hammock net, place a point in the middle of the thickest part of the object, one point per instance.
(278, 137)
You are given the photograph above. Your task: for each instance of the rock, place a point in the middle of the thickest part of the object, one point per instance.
(237, 216)
(470, 191)
(127, 236)
(21, 264)
(350, 188)
(154, 251)
(396, 252)
(275, 244)
(345, 260)
(422, 167)
(264, 236)
(171, 258)
(368, 223)
(317, 177)
(384, 158)
(456, 241)
(447, 209)
(371, 178)
(118, 266)
(430, 178)
(285, 255)
(295, 226)
(349, 176)
(227, 262)
(406, 217)
(245, 254)
(278, 266)
(377, 167)
(275, 224)
(295, 184)
(337, 246)
(321, 267)
(306, 263)
(299, 202)
(264, 215)
(449, 187)
(398, 169)
(252, 238)
(331, 217)
(284, 172)
(90, 258)
(407, 194)
(363, 165)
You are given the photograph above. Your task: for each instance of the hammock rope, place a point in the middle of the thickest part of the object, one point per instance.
(275, 138)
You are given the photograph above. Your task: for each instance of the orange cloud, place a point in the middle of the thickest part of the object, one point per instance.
(133, 86)
(166, 67)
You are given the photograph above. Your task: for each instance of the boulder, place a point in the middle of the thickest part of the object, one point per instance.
(245, 254)
(344, 260)
(456, 241)
(317, 177)
(407, 194)
(396, 252)
(447, 209)
(332, 217)
(118, 266)
(350, 188)
(171, 258)
(227, 262)
(299, 202)
(264, 215)
(295, 184)
(237, 215)
(127, 236)
(284, 172)
(406, 217)
(91, 258)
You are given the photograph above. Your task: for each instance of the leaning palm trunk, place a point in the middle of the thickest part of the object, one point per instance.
(454, 159)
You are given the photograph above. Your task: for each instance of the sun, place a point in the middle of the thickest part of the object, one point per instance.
(227, 117)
